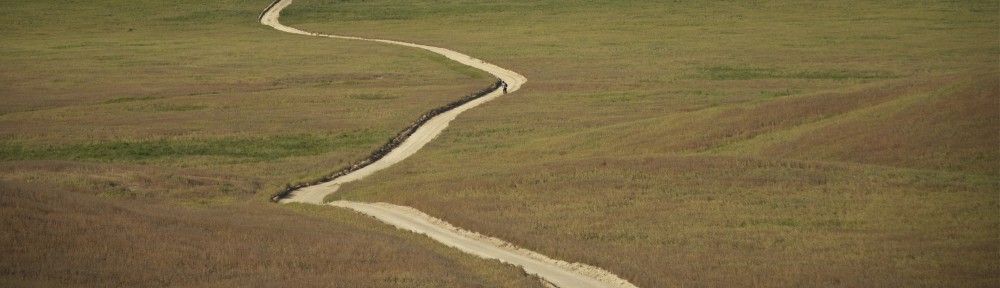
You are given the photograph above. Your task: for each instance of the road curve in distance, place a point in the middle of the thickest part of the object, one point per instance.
(427, 132)
(554, 272)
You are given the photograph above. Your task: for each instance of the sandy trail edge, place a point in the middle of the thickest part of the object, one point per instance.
(555, 272)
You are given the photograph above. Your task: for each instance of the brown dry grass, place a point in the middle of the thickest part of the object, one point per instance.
(139, 142)
(951, 127)
(57, 239)
(901, 193)
(708, 143)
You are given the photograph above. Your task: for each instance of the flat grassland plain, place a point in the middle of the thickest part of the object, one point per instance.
(695, 143)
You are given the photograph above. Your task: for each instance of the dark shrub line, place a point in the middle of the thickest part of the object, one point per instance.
(261, 17)
(389, 145)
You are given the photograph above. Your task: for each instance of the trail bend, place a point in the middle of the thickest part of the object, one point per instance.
(555, 272)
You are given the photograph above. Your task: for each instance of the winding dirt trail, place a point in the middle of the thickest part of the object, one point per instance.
(554, 272)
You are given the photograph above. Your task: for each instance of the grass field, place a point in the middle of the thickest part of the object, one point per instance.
(139, 142)
(231, 96)
(71, 239)
(713, 143)
(693, 143)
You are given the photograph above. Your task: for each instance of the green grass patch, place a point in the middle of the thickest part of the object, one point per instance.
(205, 16)
(252, 149)
(452, 65)
(129, 99)
(724, 72)
(166, 107)
(341, 10)
(371, 96)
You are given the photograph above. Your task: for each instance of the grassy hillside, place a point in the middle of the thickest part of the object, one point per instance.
(716, 143)
(139, 142)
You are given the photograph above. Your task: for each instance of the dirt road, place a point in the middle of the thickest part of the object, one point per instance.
(555, 272)
(423, 135)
